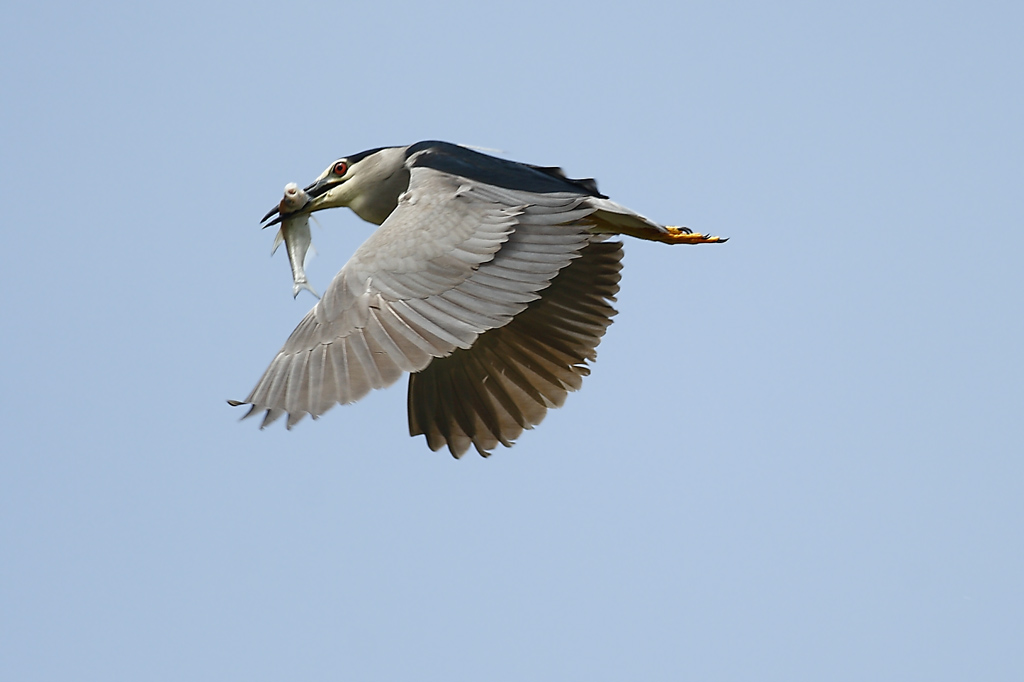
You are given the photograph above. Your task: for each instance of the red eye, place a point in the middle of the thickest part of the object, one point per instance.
(340, 168)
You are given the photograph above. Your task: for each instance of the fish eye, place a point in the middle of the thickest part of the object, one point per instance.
(340, 168)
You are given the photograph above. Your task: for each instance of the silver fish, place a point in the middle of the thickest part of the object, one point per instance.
(294, 233)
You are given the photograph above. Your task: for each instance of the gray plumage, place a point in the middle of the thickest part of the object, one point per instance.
(489, 281)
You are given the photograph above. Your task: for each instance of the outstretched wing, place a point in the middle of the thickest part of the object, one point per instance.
(456, 258)
(511, 376)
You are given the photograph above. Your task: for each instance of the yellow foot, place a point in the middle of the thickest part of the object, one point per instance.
(682, 235)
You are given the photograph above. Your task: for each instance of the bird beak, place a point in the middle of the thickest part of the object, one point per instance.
(272, 212)
(321, 186)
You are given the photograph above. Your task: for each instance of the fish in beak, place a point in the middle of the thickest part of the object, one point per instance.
(294, 232)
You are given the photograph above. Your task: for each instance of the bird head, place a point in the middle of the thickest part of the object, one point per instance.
(369, 183)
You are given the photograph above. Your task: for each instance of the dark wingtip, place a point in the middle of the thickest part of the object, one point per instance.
(236, 403)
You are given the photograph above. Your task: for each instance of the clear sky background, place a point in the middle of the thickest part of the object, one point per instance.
(799, 455)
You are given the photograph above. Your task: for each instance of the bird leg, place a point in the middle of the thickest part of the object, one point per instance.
(681, 235)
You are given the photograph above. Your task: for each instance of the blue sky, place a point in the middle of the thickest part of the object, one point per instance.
(799, 455)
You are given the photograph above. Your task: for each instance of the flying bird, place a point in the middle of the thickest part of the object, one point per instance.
(490, 281)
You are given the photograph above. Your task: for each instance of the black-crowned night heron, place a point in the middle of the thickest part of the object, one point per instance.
(490, 281)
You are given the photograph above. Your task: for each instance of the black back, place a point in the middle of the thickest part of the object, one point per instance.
(468, 163)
